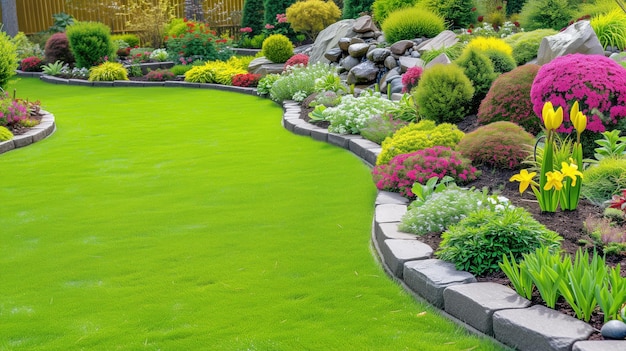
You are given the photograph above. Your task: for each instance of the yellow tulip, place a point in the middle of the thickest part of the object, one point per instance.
(570, 170)
(525, 179)
(552, 119)
(554, 180)
(579, 120)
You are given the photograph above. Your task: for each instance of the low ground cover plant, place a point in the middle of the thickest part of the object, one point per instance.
(352, 113)
(298, 82)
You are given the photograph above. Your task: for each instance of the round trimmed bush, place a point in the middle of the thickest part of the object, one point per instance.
(501, 61)
(277, 48)
(499, 144)
(382, 8)
(90, 43)
(5, 134)
(508, 99)
(526, 44)
(311, 16)
(108, 71)
(411, 23)
(444, 94)
(595, 81)
(479, 69)
(458, 13)
(58, 49)
(554, 14)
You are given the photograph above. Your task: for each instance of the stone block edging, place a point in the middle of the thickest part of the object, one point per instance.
(484, 308)
(33, 135)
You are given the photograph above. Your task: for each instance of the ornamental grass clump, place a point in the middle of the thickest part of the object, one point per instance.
(108, 72)
(352, 114)
(478, 242)
(611, 28)
(499, 144)
(417, 136)
(410, 23)
(401, 173)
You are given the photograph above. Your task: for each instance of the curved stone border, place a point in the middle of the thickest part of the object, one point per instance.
(489, 308)
(33, 135)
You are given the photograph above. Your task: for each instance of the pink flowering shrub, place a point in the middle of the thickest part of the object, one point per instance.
(160, 75)
(597, 82)
(12, 111)
(297, 59)
(31, 64)
(410, 78)
(404, 170)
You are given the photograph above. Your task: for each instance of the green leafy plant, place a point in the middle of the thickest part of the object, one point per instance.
(108, 71)
(180, 70)
(610, 295)
(352, 114)
(298, 79)
(380, 127)
(382, 8)
(8, 59)
(5, 134)
(582, 278)
(612, 145)
(501, 61)
(478, 242)
(547, 270)
(198, 42)
(132, 40)
(159, 55)
(406, 109)
(277, 48)
(25, 47)
(330, 82)
(410, 23)
(61, 20)
(53, 69)
(603, 180)
(432, 186)
(479, 69)
(90, 43)
(518, 275)
(444, 94)
(311, 16)
(266, 83)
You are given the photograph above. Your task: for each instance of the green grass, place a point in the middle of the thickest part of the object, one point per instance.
(187, 219)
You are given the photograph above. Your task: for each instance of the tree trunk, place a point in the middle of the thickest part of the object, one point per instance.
(193, 10)
(9, 17)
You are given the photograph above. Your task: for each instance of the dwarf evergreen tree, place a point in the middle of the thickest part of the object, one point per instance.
(354, 8)
(253, 15)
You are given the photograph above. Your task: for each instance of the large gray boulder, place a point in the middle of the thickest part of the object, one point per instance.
(262, 65)
(364, 24)
(577, 38)
(444, 39)
(365, 72)
(329, 37)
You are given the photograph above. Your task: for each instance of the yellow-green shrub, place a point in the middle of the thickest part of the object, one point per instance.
(501, 61)
(418, 136)
(611, 28)
(131, 39)
(5, 134)
(108, 71)
(604, 180)
(8, 59)
(382, 8)
(526, 44)
(277, 48)
(311, 16)
(410, 23)
(241, 62)
(218, 72)
(485, 43)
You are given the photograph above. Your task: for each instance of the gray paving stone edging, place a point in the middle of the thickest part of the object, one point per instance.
(33, 135)
(491, 309)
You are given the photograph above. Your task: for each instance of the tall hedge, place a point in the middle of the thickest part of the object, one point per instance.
(353, 8)
(253, 12)
(275, 7)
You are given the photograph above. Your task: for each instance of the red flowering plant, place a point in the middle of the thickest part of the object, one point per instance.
(404, 170)
(281, 26)
(31, 64)
(160, 75)
(410, 78)
(297, 59)
(246, 80)
(198, 42)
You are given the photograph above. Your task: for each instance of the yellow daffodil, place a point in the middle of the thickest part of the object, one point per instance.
(525, 179)
(554, 180)
(570, 170)
(552, 119)
(578, 119)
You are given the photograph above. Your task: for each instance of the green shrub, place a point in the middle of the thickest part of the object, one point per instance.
(90, 43)
(131, 39)
(25, 48)
(526, 44)
(417, 136)
(412, 23)
(200, 74)
(453, 52)
(478, 242)
(252, 16)
(479, 69)
(444, 94)
(299, 80)
(611, 28)
(380, 127)
(457, 13)
(603, 180)
(508, 99)
(499, 144)
(382, 8)
(218, 72)
(501, 61)
(8, 59)
(58, 49)
(108, 71)
(277, 48)
(354, 8)
(275, 7)
(514, 6)
(553, 14)
(5, 134)
(311, 16)
(198, 42)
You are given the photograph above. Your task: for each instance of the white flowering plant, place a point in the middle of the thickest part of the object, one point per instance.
(352, 114)
(159, 55)
(300, 80)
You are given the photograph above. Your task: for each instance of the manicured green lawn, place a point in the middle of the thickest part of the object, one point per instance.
(187, 219)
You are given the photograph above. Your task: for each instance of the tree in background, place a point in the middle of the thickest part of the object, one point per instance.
(275, 7)
(354, 8)
(193, 10)
(253, 16)
(149, 19)
(9, 17)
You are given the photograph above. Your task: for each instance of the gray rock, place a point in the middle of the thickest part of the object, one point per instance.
(415, 54)
(407, 62)
(364, 24)
(333, 55)
(475, 303)
(444, 39)
(600, 345)
(328, 39)
(441, 59)
(389, 213)
(430, 277)
(614, 329)
(364, 72)
(539, 328)
(391, 62)
(399, 47)
(378, 55)
(577, 38)
(358, 50)
(344, 44)
(395, 85)
(355, 40)
(261, 65)
(395, 252)
(349, 62)
(367, 35)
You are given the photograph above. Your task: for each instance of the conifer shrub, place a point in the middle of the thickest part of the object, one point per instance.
(90, 43)
(553, 14)
(603, 180)
(526, 44)
(382, 8)
(404, 170)
(444, 94)
(354, 8)
(479, 69)
(252, 17)
(417, 136)
(275, 7)
(311, 16)
(457, 13)
(499, 144)
(8, 59)
(501, 62)
(5, 134)
(410, 23)
(58, 49)
(107, 72)
(595, 81)
(277, 48)
(514, 6)
(508, 99)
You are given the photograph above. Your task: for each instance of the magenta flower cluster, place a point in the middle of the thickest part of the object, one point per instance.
(12, 111)
(410, 78)
(404, 170)
(597, 82)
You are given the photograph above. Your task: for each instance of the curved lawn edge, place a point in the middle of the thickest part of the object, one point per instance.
(33, 135)
(496, 312)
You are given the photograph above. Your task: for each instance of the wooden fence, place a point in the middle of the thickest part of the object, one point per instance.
(36, 15)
